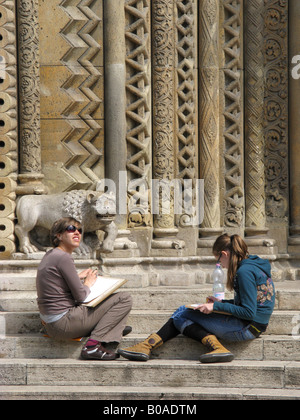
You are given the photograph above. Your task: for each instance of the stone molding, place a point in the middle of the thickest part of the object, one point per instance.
(8, 127)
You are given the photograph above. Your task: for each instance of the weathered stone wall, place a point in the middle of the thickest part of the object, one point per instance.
(72, 93)
(165, 90)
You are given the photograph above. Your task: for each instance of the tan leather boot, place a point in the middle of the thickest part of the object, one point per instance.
(218, 354)
(141, 351)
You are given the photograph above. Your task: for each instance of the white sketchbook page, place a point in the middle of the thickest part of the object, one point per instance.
(101, 285)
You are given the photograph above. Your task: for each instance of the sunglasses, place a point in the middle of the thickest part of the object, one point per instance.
(72, 229)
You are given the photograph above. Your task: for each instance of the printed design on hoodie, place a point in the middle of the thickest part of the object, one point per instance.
(265, 292)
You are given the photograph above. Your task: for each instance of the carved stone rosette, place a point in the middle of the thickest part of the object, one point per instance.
(254, 108)
(232, 108)
(8, 127)
(138, 110)
(29, 98)
(276, 110)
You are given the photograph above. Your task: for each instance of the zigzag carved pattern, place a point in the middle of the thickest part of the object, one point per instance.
(255, 181)
(186, 89)
(138, 86)
(138, 108)
(233, 132)
(186, 95)
(209, 111)
(81, 141)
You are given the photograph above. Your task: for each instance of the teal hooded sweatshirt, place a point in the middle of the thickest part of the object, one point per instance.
(254, 292)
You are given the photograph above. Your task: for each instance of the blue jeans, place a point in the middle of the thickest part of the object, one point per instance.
(222, 326)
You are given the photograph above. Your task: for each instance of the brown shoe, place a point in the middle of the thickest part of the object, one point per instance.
(218, 354)
(141, 351)
(97, 352)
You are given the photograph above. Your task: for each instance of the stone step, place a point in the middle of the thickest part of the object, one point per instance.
(146, 321)
(155, 373)
(36, 346)
(287, 297)
(158, 393)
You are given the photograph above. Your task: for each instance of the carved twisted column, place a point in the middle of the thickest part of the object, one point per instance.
(209, 119)
(8, 127)
(30, 176)
(294, 125)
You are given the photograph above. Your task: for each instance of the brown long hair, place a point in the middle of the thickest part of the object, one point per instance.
(238, 252)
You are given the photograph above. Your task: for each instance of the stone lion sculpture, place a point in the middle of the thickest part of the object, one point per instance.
(93, 209)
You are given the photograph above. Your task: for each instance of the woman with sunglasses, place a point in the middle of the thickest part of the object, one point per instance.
(243, 318)
(61, 290)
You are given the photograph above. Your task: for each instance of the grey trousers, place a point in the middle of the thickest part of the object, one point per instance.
(104, 323)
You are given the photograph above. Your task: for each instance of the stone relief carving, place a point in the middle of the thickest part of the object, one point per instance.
(209, 111)
(186, 116)
(163, 103)
(164, 63)
(29, 98)
(276, 108)
(138, 108)
(233, 113)
(85, 88)
(94, 210)
(8, 127)
(254, 106)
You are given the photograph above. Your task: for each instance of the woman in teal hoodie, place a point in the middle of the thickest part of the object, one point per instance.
(243, 318)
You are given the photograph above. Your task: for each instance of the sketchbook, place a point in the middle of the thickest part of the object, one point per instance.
(194, 305)
(103, 288)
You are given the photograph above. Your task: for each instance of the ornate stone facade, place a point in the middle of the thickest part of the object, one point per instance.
(169, 91)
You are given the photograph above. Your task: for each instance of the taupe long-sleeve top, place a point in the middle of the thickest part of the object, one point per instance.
(59, 287)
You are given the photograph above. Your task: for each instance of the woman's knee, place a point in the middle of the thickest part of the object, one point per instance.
(180, 320)
(126, 299)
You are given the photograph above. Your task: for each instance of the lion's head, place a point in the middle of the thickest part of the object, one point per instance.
(93, 209)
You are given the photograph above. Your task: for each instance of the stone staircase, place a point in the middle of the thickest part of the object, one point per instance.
(35, 367)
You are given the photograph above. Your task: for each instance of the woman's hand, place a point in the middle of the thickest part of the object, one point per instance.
(205, 308)
(90, 278)
(212, 299)
(84, 273)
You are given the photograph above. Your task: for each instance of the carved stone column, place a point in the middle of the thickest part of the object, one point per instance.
(8, 127)
(294, 125)
(115, 116)
(138, 111)
(163, 73)
(276, 117)
(30, 176)
(255, 219)
(115, 97)
(209, 121)
(232, 123)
